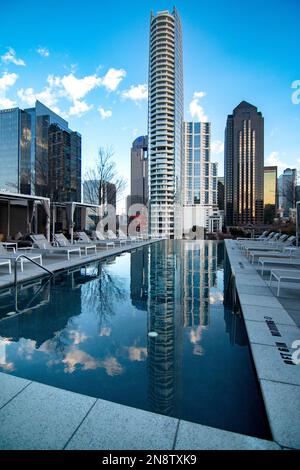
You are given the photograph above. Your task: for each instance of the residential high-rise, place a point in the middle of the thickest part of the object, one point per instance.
(287, 183)
(244, 166)
(165, 119)
(199, 177)
(39, 154)
(270, 193)
(15, 157)
(139, 172)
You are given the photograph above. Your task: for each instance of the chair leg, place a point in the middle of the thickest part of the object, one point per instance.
(9, 267)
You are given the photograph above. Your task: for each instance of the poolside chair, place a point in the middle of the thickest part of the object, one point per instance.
(62, 241)
(42, 244)
(83, 237)
(286, 261)
(284, 275)
(6, 263)
(112, 236)
(283, 242)
(263, 236)
(100, 237)
(12, 256)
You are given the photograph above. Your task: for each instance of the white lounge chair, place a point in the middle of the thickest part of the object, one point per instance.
(286, 261)
(112, 236)
(13, 256)
(62, 241)
(100, 237)
(42, 244)
(284, 275)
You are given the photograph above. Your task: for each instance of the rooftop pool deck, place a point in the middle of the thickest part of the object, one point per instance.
(149, 341)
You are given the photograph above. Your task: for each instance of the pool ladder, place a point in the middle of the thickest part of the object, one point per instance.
(33, 262)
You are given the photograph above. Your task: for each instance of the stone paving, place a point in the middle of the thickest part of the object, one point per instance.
(271, 331)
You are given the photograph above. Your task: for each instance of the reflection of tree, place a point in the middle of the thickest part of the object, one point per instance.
(102, 294)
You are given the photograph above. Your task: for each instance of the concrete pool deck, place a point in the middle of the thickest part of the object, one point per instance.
(271, 331)
(37, 416)
(56, 263)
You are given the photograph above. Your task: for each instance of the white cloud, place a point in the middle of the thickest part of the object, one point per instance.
(136, 93)
(77, 88)
(275, 159)
(79, 108)
(196, 110)
(43, 51)
(46, 96)
(217, 146)
(6, 81)
(105, 114)
(113, 78)
(11, 56)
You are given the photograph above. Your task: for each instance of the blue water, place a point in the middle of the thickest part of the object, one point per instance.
(87, 331)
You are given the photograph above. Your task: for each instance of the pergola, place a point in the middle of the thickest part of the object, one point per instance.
(70, 210)
(30, 202)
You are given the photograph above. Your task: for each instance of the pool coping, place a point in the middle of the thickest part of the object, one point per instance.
(24, 424)
(270, 331)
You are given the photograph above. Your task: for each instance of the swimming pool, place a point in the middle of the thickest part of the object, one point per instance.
(147, 329)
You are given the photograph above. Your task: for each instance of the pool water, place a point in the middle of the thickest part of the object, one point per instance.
(87, 330)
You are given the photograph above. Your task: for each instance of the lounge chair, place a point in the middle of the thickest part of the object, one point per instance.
(284, 275)
(286, 261)
(62, 241)
(263, 236)
(12, 256)
(101, 238)
(41, 242)
(112, 236)
(6, 263)
(282, 243)
(83, 237)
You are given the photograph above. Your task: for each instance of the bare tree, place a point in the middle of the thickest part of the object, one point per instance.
(102, 182)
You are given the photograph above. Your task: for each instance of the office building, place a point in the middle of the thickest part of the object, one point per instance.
(165, 123)
(270, 194)
(139, 171)
(200, 190)
(15, 151)
(221, 193)
(39, 154)
(287, 184)
(244, 166)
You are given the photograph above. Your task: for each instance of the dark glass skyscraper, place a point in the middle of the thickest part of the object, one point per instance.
(244, 166)
(15, 154)
(139, 172)
(39, 154)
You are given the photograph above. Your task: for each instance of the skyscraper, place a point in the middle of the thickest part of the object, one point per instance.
(139, 172)
(287, 183)
(15, 158)
(165, 118)
(199, 177)
(244, 166)
(270, 193)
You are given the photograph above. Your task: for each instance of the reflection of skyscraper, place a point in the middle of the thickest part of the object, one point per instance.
(199, 266)
(165, 318)
(139, 278)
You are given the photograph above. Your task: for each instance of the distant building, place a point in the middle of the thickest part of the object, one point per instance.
(287, 184)
(270, 193)
(139, 172)
(29, 139)
(244, 166)
(200, 192)
(16, 174)
(165, 118)
(221, 193)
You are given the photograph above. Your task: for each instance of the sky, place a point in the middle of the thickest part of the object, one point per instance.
(88, 61)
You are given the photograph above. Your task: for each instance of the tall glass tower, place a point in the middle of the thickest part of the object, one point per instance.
(165, 124)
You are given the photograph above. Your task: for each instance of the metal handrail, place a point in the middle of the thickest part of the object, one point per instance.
(32, 261)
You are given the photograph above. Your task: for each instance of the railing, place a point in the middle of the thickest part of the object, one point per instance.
(32, 261)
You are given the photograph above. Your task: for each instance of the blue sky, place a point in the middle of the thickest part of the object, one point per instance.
(89, 60)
